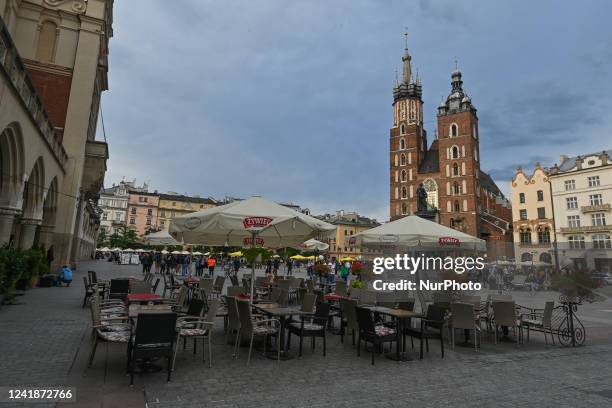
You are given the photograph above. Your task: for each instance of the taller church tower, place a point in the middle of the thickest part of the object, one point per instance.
(408, 140)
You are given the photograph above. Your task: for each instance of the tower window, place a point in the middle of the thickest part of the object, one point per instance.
(404, 209)
(455, 169)
(402, 144)
(456, 188)
(454, 130)
(457, 206)
(402, 129)
(403, 176)
(403, 160)
(455, 152)
(522, 198)
(404, 192)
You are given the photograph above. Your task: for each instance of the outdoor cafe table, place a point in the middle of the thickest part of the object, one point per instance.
(143, 298)
(400, 316)
(280, 312)
(135, 310)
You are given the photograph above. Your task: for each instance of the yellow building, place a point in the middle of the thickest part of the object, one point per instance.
(347, 224)
(174, 205)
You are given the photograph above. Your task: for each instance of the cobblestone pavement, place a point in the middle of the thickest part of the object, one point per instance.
(44, 341)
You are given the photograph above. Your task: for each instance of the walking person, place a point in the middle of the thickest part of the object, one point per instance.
(275, 266)
(186, 265)
(289, 266)
(211, 266)
(236, 266)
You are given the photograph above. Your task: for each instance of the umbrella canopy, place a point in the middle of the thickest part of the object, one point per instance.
(160, 238)
(175, 252)
(116, 249)
(418, 233)
(238, 223)
(197, 253)
(297, 257)
(313, 244)
(235, 254)
(140, 250)
(185, 253)
(347, 259)
(163, 251)
(128, 250)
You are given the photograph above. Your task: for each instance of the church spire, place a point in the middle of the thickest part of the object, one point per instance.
(406, 58)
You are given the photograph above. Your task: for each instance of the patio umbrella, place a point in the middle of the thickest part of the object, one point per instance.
(347, 259)
(197, 253)
(128, 250)
(254, 222)
(417, 233)
(163, 251)
(313, 244)
(175, 252)
(139, 250)
(297, 257)
(105, 249)
(160, 238)
(116, 249)
(235, 254)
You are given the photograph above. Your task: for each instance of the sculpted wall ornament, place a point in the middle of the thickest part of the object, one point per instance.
(78, 6)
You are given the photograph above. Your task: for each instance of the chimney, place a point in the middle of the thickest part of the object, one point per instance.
(563, 158)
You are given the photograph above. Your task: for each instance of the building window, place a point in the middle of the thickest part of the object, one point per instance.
(522, 198)
(457, 206)
(140, 199)
(540, 195)
(598, 219)
(454, 130)
(455, 169)
(148, 221)
(402, 144)
(596, 199)
(162, 223)
(404, 209)
(573, 221)
(150, 211)
(432, 192)
(174, 203)
(402, 129)
(541, 212)
(570, 184)
(455, 152)
(456, 188)
(593, 181)
(572, 203)
(523, 214)
(576, 242)
(132, 220)
(544, 236)
(602, 241)
(104, 216)
(118, 216)
(404, 192)
(403, 160)
(163, 213)
(46, 42)
(525, 236)
(403, 175)
(201, 205)
(133, 210)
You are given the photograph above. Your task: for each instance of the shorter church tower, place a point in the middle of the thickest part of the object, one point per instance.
(458, 150)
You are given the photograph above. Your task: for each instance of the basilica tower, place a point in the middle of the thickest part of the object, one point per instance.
(408, 140)
(458, 150)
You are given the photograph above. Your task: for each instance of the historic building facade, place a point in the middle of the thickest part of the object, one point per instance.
(347, 224)
(465, 197)
(142, 211)
(173, 205)
(114, 205)
(532, 216)
(53, 67)
(582, 202)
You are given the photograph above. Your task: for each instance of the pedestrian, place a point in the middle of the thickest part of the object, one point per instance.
(289, 267)
(186, 265)
(236, 266)
(157, 258)
(344, 270)
(211, 266)
(162, 264)
(275, 266)
(64, 276)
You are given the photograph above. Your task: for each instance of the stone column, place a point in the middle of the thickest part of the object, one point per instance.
(46, 235)
(28, 232)
(7, 217)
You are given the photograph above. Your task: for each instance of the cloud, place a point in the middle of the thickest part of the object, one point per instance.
(292, 100)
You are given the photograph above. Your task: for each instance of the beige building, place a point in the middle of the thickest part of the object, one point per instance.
(532, 216)
(114, 205)
(173, 205)
(142, 212)
(582, 201)
(53, 63)
(347, 224)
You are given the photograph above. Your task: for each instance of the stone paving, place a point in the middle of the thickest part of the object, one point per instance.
(45, 341)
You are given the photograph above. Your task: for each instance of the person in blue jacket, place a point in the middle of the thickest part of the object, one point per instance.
(64, 276)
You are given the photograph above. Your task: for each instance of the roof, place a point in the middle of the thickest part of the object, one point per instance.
(349, 219)
(488, 184)
(570, 162)
(184, 198)
(431, 162)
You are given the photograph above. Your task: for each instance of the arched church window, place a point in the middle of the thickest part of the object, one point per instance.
(404, 192)
(455, 169)
(402, 144)
(456, 188)
(403, 160)
(432, 192)
(457, 206)
(404, 209)
(455, 152)
(403, 176)
(454, 130)
(402, 129)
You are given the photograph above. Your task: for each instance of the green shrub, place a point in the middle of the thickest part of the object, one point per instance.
(577, 286)
(13, 266)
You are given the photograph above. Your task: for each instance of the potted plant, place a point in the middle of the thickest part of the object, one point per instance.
(321, 270)
(12, 266)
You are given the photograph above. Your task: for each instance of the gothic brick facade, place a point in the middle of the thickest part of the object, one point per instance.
(466, 198)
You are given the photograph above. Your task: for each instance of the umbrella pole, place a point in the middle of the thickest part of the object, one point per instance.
(253, 269)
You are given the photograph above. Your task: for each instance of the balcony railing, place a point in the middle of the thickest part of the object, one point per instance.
(585, 229)
(595, 208)
(14, 71)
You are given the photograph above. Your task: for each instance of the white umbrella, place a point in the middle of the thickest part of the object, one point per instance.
(313, 244)
(175, 252)
(163, 251)
(105, 249)
(417, 233)
(160, 238)
(197, 253)
(185, 253)
(116, 249)
(128, 250)
(248, 223)
(139, 250)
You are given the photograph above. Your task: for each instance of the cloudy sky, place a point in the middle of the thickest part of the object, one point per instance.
(292, 99)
